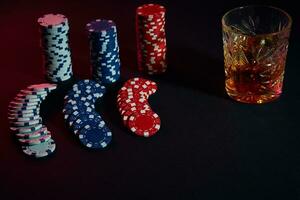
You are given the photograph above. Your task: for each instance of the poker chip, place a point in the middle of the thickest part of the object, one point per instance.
(26, 123)
(34, 134)
(79, 113)
(151, 38)
(54, 31)
(36, 140)
(42, 87)
(40, 150)
(104, 51)
(144, 124)
(93, 119)
(95, 137)
(136, 112)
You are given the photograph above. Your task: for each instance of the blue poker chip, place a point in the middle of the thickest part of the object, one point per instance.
(83, 106)
(70, 117)
(101, 26)
(83, 96)
(87, 118)
(91, 85)
(95, 137)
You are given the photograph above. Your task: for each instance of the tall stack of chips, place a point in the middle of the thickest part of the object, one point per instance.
(151, 38)
(54, 30)
(104, 51)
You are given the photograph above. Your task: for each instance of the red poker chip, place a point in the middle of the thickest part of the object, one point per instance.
(134, 97)
(157, 62)
(151, 18)
(153, 50)
(144, 124)
(127, 113)
(155, 28)
(137, 86)
(134, 106)
(121, 101)
(159, 68)
(148, 10)
(125, 117)
(142, 93)
(147, 84)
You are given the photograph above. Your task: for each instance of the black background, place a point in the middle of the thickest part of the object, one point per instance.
(209, 146)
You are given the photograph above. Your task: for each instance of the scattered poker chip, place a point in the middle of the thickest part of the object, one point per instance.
(132, 101)
(95, 137)
(40, 150)
(54, 31)
(26, 123)
(151, 38)
(104, 51)
(79, 113)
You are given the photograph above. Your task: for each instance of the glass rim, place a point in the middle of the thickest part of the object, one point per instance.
(290, 20)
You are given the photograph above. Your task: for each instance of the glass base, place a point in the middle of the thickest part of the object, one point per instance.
(253, 99)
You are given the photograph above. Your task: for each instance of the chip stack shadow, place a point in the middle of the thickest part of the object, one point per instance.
(54, 31)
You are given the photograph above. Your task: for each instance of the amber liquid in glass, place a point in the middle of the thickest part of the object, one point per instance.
(254, 66)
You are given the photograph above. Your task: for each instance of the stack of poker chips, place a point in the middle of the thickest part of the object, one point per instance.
(81, 117)
(26, 122)
(137, 115)
(151, 38)
(104, 51)
(54, 30)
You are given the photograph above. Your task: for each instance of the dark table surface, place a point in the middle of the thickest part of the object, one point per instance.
(209, 146)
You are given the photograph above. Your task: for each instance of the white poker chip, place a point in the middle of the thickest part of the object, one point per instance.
(42, 87)
(40, 150)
